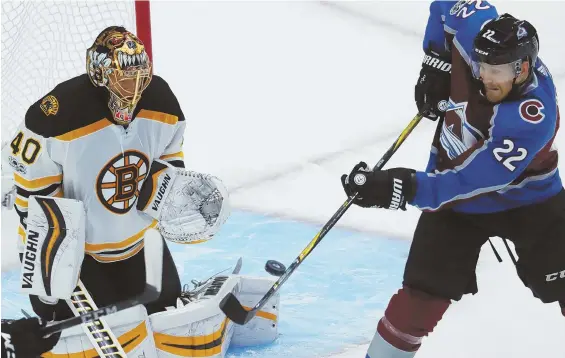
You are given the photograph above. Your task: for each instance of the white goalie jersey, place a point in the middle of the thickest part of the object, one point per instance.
(68, 146)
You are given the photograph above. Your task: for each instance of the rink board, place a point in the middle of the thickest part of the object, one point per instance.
(331, 302)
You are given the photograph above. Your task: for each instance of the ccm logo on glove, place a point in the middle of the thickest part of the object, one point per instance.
(554, 276)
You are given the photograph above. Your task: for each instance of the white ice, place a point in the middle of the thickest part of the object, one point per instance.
(281, 98)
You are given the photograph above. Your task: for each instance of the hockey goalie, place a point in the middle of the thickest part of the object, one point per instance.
(98, 165)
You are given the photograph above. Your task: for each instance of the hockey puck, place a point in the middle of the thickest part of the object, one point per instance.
(275, 268)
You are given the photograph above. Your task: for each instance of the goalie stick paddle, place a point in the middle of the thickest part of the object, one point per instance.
(153, 245)
(231, 306)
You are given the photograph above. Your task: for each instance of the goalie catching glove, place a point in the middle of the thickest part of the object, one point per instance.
(190, 207)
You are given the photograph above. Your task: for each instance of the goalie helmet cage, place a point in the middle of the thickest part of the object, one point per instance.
(44, 43)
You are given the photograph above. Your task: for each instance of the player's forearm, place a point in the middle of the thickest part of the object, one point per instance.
(479, 174)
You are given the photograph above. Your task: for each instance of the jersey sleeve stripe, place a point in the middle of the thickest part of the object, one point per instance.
(177, 155)
(21, 202)
(158, 116)
(84, 131)
(38, 183)
(48, 191)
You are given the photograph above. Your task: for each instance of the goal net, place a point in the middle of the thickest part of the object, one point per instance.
(45, 42)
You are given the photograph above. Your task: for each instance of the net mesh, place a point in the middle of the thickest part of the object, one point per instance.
(44, 43)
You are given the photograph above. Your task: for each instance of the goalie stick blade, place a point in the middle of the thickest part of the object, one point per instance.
(234, 310)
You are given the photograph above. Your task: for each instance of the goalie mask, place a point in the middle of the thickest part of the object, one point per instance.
(117, 60)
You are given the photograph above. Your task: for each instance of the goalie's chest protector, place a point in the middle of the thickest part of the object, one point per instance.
(104, 165)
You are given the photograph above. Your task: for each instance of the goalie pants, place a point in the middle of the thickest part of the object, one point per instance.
(446, 245)
(115, 281)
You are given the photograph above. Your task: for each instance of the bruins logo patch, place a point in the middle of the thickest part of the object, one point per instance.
(49, 105)
(119, 182)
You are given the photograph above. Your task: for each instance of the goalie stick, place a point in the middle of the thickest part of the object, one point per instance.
(153, 276)
(231, 306)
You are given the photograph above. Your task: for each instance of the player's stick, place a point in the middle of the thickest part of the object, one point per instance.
(231, 306)
(153, 275)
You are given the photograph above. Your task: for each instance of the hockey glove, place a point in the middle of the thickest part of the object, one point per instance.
(190, 206)
(389, 189)
(433, 87)
(23, 338)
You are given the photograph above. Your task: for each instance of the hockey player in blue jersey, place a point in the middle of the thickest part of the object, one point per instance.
(492, 170)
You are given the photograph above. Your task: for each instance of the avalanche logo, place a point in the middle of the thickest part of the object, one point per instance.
(457, 135)
(531, 111)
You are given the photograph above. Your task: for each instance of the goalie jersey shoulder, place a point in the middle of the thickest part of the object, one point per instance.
(76, 103)
(72, 104)
(159, 97)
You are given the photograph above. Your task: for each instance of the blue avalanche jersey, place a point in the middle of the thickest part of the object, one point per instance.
(487, 157)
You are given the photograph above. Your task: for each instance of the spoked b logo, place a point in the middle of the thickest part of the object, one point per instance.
(120, 181)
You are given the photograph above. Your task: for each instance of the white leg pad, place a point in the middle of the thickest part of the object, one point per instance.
(263, 328)
(198, 329)
(130, 326)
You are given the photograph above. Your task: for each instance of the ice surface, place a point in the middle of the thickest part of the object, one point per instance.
(281, 98)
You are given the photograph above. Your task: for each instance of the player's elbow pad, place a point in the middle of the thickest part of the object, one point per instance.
(190, 207)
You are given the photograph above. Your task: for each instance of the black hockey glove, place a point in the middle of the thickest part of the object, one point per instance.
(389, 189)
(22, 338)
(432, 89)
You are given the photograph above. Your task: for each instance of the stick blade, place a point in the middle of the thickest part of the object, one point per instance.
(234, 310)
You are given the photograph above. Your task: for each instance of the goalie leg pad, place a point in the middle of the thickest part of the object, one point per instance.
(200, 329)
(131, 327)
(263, 328)
(54, 248)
